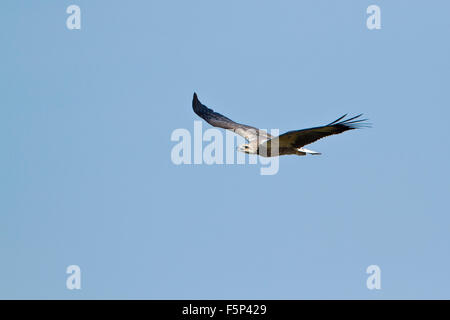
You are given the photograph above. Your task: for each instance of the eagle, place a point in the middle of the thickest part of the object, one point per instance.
(264, 144)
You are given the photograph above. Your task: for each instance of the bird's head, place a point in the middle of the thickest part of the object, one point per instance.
(247, 148)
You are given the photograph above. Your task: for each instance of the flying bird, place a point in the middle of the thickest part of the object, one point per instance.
(264, 144)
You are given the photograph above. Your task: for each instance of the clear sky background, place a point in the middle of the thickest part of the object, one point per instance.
(87, 179)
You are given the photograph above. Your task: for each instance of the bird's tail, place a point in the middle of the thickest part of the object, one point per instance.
(306, 151)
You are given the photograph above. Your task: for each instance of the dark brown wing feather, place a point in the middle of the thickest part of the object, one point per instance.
(300, 138)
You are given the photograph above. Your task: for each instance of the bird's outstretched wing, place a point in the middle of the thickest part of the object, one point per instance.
(217, 120)
(300, 138)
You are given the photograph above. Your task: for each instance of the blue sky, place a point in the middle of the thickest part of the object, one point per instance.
(87, 179)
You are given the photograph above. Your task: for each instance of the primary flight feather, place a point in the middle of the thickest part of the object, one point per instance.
(264, 144)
